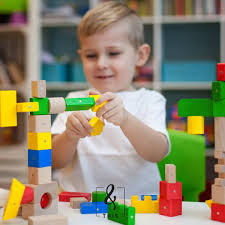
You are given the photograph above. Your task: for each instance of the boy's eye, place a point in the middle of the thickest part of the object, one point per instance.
(114, 53)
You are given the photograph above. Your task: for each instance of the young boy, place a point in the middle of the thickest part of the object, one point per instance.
(134, 137)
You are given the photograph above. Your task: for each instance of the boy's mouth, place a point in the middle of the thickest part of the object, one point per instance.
(103, 77)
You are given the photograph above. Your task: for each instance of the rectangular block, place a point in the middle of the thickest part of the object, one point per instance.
(8, 115)
(219, 168)
(219, 155)
(154, 197)
(42, 158)
(74, 104)
(170, 173)
(36, 209)
(218, 212)
(218, 90)
(222, 175)
(218, 194)
(219, 108)
(39, 190)
(27, 107)
(195, 107)
(219, 134)
(93, 207)
(38, 89)
(39, 141)
(65, 196)
(39, 175)
(170, 190)
(43, 106)
(39, 124)
(57, 105)
(220, 182)
(221, 161)
(75, 202)
(172, 207)
(48, 220)
(221, 71)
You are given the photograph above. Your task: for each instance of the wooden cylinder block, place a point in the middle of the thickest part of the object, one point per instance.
(219, 134)
(57, 105)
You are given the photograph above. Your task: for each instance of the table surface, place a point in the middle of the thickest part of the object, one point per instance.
(193, 213)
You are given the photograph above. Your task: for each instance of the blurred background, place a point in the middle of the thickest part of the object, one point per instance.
(38, 40)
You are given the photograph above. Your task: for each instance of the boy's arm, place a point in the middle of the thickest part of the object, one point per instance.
(149, 143)
(63, 149)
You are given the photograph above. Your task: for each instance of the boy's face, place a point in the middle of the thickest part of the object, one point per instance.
(109, 59)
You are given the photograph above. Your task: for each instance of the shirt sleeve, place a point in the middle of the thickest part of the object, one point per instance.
(155, 113)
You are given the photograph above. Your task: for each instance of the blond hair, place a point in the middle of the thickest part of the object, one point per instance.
(105, 15)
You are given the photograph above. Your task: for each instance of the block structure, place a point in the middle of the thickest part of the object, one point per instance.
(170, 202)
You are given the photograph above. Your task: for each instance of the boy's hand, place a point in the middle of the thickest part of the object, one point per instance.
(77, 125)
(113, 111)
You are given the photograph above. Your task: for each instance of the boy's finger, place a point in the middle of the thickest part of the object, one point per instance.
(84, 122)
(94, 92)
(105, 97)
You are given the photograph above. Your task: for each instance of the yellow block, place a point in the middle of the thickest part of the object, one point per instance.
(15, 197)
(39, 141)
(97, 126)
(95, 108)
(209, 203)
(146, 205)
(196, 125)
(27, 107)
(8, 114)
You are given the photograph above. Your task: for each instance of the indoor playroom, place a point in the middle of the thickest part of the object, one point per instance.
(112, 111)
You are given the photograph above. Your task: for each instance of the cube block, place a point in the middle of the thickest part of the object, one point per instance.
(172, 207)
(42, 158)
(170, 190)
(39, 141)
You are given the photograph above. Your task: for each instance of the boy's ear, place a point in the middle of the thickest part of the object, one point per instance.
(143, 54)
(79, 52)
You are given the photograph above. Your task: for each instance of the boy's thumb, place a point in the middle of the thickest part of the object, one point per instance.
(94, 92)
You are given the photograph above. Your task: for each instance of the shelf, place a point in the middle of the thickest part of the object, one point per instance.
(186, 85)
(191, 19)
(13, 28)
(66, 86)
(60, 22)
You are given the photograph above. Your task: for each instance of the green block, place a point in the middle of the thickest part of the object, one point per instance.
(43, 106)
(98, 196)
(122, 214)
(218, 90)
(75, 104)
(219, 108)
(195, 107)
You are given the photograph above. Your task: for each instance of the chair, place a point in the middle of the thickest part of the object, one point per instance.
(188, 154)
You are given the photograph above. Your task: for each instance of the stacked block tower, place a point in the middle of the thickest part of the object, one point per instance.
(170, 202)
(40, 196)
(195, 110)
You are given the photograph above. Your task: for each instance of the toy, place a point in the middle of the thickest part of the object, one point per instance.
(214, 107)
(75, 202)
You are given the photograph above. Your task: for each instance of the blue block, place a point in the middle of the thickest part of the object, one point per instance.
(93, 207)
(154, 197)
(39, 158)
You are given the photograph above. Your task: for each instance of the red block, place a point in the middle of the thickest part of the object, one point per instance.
(221, 71)
(170, 191)
(65, 196)
(170, 208)
(28, 195)
(218, 212)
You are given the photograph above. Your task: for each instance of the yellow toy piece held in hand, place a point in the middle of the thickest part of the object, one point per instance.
(97, 126)
(95, 108)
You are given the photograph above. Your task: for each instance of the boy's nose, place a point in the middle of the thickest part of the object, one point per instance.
(102, 62)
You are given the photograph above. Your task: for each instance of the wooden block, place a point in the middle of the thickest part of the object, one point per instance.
(4, 195)
(219, 134)
(74, 104)
(218, 212)
(95, 108)
(218, 90)
(170, 191)
(27, 107)
(170, 173)
(57, 105)
(219, 108)
(8, 115)
(39, 124)
(39, 175)
(48, 220)
(66, 196)
(219, 168)
(43, 106)
(221, 71)
(219, 155)
(39, 141)
(221, 161)
(220, 182)
(37, 210)
(218, 194)
(97, 126)
(39, 190)
(222, 175)
(39, 89)
(42, 158)
(195, 125)
(75, 202)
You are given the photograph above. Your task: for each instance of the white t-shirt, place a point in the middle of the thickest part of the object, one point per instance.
(110, 158)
